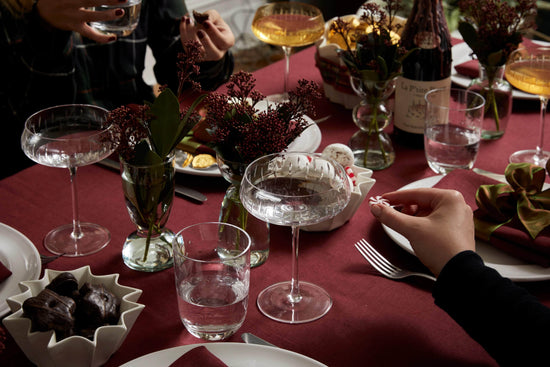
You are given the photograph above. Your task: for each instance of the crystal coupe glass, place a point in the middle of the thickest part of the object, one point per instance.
(294, 189)
(288, 24)
(70, 136)
(528, 69)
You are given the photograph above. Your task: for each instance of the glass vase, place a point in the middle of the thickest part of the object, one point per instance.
(233, 212)
(498, 96)
(371, 145)
(149, 194)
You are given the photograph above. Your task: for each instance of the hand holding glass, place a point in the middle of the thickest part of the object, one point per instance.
(529, 71)
(70, 136)
(294, 189)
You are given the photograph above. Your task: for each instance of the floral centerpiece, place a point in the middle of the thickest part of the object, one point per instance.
(373, 56)
(244, 126)
(147, 136)
(242, 132)
(493, 30)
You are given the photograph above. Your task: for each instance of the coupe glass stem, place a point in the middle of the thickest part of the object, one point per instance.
(77, 231)
(287, 50)
(295, 296)
(543, 105)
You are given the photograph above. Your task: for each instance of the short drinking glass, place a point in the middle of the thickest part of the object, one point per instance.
(452, 132)
(212, 269)
(123, 26)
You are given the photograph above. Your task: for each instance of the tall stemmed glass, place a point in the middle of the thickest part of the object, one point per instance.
(70, 136)
(528, 69)
(288, 24)
(294, 189)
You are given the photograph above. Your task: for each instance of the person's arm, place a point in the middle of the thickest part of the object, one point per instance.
(503, 317)
(510, 323)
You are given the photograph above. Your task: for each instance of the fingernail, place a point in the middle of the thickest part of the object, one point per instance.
(187, 20)
(119, 12)
(376, 210)
(206, 25)
(112, 38)
(200, 34)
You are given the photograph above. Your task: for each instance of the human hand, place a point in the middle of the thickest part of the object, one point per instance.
(214, 35)
(438, 223)
(74, 15)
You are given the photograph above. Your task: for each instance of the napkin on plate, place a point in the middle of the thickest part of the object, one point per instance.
(4, 272)
(508, 234)
(198, 357)
(470, 68)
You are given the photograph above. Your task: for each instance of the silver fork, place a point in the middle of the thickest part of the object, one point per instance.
(384, 266)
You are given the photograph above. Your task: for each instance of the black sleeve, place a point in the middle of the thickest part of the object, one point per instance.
(510, 323)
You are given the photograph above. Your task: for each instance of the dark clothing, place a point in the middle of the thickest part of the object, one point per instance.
(510, 323)
(42, 67)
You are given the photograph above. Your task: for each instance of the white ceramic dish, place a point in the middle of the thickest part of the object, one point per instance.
(233, 354)
(508, 266)
(461, 53)
(19, 255)
(42, 347)
(308, 141)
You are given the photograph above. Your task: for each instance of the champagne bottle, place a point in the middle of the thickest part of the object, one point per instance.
(428, 67)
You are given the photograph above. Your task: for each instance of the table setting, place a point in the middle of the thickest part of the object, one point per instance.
(352, 299)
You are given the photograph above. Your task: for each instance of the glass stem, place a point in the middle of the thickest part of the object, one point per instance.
(77, 232)
(287, 50)
(543, 105)
(295, 296)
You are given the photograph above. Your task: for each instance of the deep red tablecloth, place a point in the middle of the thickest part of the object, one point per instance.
(374, 321)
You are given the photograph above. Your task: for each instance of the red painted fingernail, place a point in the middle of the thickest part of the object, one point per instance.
(206, 25)
(187, 20)
(112, 38)
(119, 12)
(200, 34)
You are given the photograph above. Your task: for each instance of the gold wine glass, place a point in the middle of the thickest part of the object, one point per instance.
(528, 69)
(288, 24)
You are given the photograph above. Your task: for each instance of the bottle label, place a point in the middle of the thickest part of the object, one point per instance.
(410, 104)
(427, 40)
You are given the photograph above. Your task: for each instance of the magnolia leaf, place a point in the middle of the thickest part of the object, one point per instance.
(165, 122)
(143, 155)
(469, 34)
(187, 123)
(383, 68)
(496, 58)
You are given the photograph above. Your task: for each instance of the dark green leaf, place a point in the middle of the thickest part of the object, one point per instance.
(164, 126)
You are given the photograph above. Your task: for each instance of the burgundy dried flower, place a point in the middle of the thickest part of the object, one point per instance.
(243, 133)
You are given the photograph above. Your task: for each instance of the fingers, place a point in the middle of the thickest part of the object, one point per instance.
(214, 35)
(95, 35)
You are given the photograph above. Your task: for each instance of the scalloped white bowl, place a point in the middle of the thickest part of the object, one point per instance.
(364, 182)
(42, 347)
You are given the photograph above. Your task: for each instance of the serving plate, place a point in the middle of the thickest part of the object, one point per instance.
(19, 255)
(308, 141)
(508, 266)
(233, 354)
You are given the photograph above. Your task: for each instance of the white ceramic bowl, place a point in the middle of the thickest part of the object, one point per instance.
(43, 349)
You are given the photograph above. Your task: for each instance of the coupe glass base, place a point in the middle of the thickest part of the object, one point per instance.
(159, 255)
(530, 156)
(61, 241)
(274, 302)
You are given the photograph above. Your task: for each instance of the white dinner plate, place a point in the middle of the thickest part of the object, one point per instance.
(508, 266)
(233, 354)
(461, 53)
(19, 255)
(308, 141)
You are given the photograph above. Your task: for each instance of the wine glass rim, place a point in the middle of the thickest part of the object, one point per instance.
(268, 158)
(293, 4)
(477, 96)
(64, 106)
